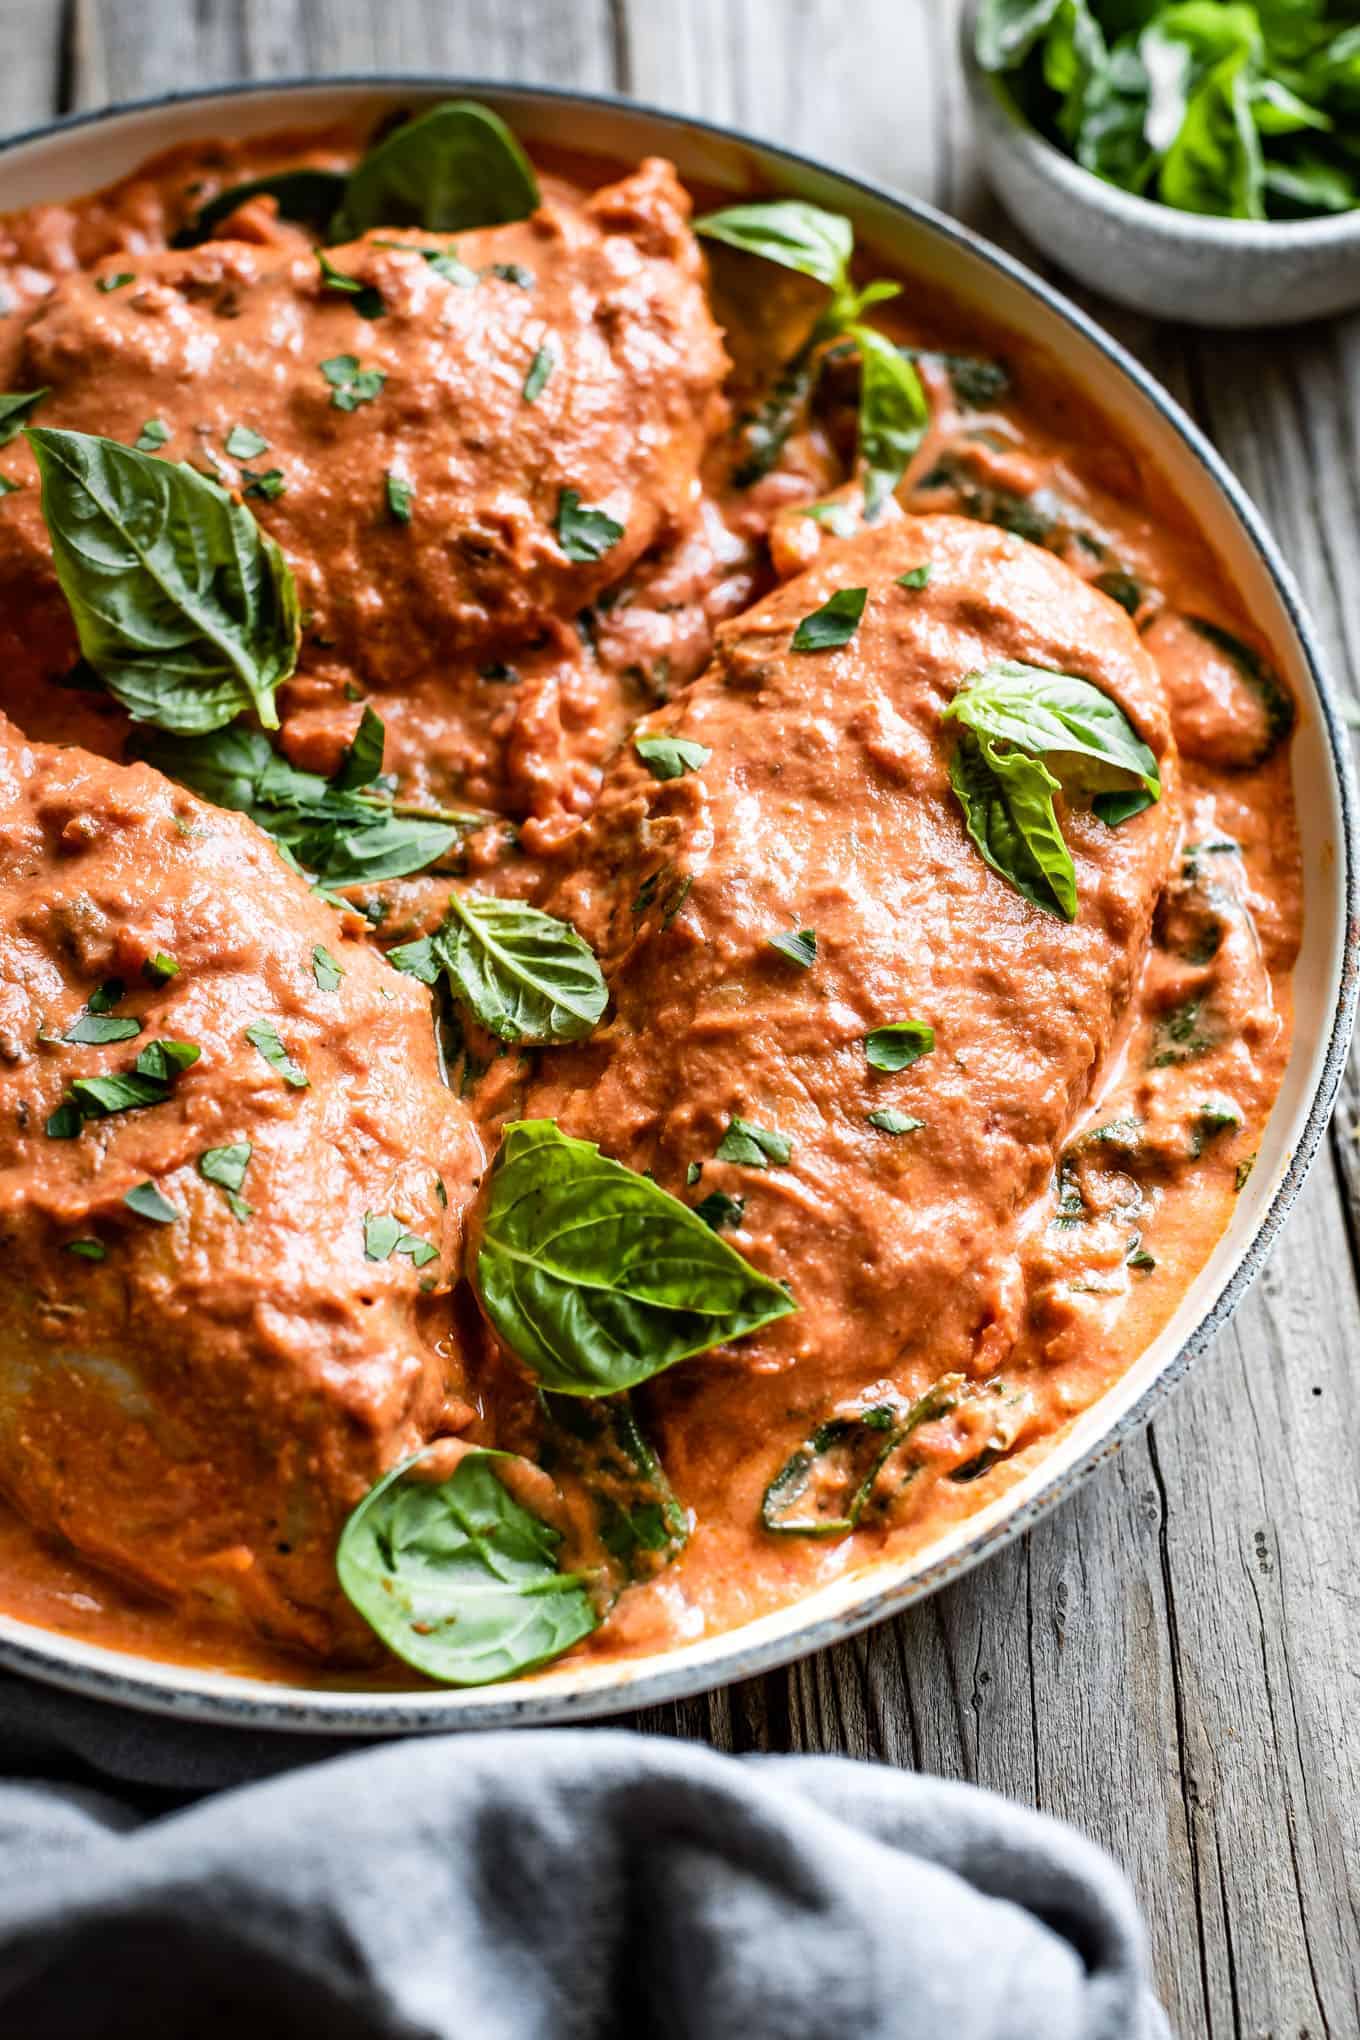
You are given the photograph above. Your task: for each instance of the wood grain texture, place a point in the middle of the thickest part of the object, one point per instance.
(1172, 1660)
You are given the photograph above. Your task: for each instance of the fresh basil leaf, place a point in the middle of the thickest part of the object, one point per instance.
(455, 167)
(596, 1278)
(363, 760)
(753, 1147)
(99, 1097)
(146, 1200)
(325, 969)
(368, 299)
(790, 232)
(583, 533)
(400, 496)
(1309, 184)
(799, 947)
(458, 1578)
(540, 368)
(15, 409)
(764, 434)
(1007, 30)
(888, 1121)
(308, 197)
(1216, 163)
(1007, 801)
(183, 606)
(893, 415)
(834, 624)
(637, 1517)
(163, 1060)
(824, 1489)
(899, 1045)
(264, 1036)
(521, 973)
(671, 757)
(350, 384)
(341, 836)
(98, 1028)
(719, 1212)
(1047, 713)
(243, 442)
(915, 577)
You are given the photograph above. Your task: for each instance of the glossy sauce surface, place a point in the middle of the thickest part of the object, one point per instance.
(1076, 1157)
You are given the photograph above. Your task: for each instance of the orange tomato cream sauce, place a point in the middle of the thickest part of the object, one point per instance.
(646, 908)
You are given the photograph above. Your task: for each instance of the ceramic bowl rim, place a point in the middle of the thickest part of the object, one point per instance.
(168, 1689)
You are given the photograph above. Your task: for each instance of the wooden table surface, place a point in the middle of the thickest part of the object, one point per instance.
(1172, 1660)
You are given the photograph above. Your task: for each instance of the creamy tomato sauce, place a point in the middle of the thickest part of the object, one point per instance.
(181, 1436)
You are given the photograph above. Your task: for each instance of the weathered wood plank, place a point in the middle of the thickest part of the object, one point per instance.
(31, 75)
(1169, 1662)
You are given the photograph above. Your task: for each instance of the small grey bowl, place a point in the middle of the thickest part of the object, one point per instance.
(1174, 265)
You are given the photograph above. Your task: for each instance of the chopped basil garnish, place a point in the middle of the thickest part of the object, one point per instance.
(753, 1147)
(264, 1036)
(267, 483)
(147, 1201)
(325, 969)
(160, 968)
(799, 948)
(671, 757)
(65, 1123)
(108, 283)
(98, 1028)
(597, 1279)
(898, 1046)
(226, 1166)
(888, 1121)
(915, 577)
(368, 299)
(583, 533)
(512, 272)
(154, 433)
(106, 996)
(540, 368)
(88, 1250)
(164, 1060)
(385, 1236)
(98, 1097)
(835, 623)
(400, 496)
(719, 1212)
(824, 1489)
(243, 442)
(350, 384)
(838, 518)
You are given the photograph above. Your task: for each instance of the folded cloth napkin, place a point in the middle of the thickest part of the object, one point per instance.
(535, 1886)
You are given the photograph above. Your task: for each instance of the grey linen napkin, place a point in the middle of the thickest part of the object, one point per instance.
(534, 1886)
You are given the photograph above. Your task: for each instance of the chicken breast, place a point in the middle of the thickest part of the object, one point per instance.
(458, 446)
(890, 1202)
(231, 1189)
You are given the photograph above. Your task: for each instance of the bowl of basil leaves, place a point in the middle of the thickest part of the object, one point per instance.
(1193, 159)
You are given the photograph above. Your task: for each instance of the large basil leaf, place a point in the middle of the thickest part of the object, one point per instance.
(1007, 30)
(1007, 802)
(1049, 713)
(790, 232)
(340, 831)
(1216, 163)
(183, 607)
(14, 408)
(309, 197)
(893, 415)
(448, 170)
(523, 974)
(595, 1277)
(823, 1489)
(458, 1578)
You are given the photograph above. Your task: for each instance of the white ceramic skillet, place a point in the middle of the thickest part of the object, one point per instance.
(78, 155)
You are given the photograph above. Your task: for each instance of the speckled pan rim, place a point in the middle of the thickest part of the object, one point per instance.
(225, 1700)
